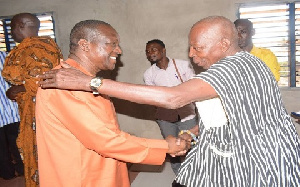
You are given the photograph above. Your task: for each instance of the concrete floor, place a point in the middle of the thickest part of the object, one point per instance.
(140, 175)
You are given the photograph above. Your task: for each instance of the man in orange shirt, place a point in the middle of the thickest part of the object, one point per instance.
(79, 139)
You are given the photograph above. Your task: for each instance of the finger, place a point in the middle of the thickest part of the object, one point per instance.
(48, 75)
(64, 64)
(47, 83)
(173, 155)
(180, 153)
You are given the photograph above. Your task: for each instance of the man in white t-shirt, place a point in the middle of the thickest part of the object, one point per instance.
(169, 72)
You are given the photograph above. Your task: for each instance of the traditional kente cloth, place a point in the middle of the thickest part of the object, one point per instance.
(259, 146)
(31, 57)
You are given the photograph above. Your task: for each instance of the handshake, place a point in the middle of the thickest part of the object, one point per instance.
(180, 145)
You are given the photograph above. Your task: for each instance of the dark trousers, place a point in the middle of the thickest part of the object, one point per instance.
(10, 158)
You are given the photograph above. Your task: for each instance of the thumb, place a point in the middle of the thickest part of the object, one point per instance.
(178, 141)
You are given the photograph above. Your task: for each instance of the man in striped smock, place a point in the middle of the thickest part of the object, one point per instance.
(257, 143)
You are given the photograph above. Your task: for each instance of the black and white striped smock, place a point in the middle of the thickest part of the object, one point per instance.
(260, 144)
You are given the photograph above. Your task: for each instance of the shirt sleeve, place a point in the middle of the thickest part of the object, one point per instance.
(96, 127)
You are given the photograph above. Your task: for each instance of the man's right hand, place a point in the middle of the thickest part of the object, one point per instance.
(177, 146)
(66, 78)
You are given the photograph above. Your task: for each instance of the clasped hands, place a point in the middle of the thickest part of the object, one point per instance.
(180, 145)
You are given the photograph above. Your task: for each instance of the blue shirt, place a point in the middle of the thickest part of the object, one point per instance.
(8, 109)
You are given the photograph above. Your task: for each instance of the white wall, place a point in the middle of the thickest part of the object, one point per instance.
(137, 22)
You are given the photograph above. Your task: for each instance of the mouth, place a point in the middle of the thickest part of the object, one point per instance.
(152, 59)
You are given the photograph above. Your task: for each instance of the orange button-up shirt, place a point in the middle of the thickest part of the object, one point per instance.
(80, 142)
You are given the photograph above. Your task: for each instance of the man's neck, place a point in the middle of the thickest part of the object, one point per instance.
(163, 63)
(82, 61)
(248, 48)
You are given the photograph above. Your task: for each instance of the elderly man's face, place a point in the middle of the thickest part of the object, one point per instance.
(205, 48)
(105, 50)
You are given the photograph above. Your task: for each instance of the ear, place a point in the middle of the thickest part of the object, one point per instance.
(252, 32)
(84, 45)
(225, 44)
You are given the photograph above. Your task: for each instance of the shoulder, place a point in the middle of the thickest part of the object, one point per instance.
(151, 69)
(265, 50)
(261, 50)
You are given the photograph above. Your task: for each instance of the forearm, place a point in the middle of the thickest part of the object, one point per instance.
(152, 95)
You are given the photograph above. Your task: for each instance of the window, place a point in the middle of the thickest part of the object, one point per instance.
(6, 41)
(277, 27)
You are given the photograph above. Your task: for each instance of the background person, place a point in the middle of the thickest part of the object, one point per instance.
(246, 32)
(169, 72)
(33, 56)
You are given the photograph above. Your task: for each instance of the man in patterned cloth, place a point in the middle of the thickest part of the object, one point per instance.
(258, 146)
(34, 55)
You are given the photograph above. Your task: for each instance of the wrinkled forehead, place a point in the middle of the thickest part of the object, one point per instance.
(198, 34)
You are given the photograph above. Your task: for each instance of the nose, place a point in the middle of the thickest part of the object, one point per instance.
(191, 52)
(118, 50)
(239, 34)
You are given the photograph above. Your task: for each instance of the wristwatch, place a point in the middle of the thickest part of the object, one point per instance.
(95, 83)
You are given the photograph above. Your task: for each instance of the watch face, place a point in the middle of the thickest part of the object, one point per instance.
(96, 82)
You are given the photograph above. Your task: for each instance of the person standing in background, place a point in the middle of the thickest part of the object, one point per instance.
(33, 56)
(246, 32)
(169, 72)
(9, 127)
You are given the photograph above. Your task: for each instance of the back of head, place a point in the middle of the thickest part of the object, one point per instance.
(157, 41)
(88, 30)
(27, 20)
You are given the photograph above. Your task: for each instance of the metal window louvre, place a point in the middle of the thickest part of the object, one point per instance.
(272, 31)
